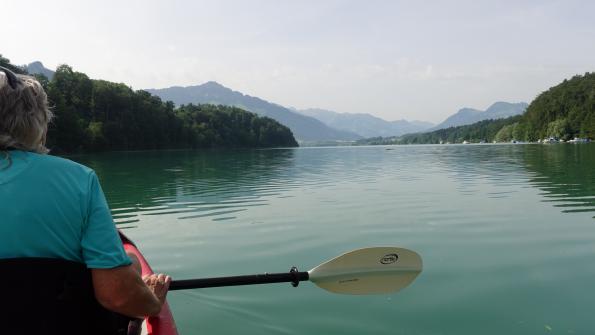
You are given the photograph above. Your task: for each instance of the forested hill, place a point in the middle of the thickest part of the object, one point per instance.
(486, 130)
(566, 110)
(97, 115)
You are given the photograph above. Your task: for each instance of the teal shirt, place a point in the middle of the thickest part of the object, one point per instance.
(53, 207)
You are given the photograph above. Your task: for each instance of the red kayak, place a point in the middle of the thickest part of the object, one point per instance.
(164, 323)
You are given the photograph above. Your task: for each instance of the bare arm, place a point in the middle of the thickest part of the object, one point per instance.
(122, 290)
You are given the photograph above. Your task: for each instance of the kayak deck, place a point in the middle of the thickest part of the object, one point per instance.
(162, 324)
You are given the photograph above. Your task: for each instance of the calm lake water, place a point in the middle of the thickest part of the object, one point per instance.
(506, 232)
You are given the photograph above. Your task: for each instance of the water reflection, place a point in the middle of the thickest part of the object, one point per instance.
(220, 184)
(471, 166)
(565, 173)
(189, 184)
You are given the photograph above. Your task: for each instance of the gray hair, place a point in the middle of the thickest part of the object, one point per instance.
(24, 114)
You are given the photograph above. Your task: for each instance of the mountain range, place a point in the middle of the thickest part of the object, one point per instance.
(498, 110)
(304, 128)
(317, 125)
(366, 125)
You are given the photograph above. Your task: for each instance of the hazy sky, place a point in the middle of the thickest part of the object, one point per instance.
(418, 60)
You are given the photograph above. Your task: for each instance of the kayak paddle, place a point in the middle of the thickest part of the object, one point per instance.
(374, 270)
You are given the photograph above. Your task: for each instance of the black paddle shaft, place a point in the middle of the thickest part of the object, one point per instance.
(293, 277)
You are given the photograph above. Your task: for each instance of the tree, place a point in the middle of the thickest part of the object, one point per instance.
(95, 115)
(558, 129)
(5, 62)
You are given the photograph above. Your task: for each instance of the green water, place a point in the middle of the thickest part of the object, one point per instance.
(506, 232)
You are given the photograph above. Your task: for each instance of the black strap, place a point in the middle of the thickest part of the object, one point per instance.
(13, 80)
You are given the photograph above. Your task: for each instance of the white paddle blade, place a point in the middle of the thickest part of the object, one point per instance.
(376, 270)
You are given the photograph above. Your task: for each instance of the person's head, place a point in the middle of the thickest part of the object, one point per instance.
(24, 113)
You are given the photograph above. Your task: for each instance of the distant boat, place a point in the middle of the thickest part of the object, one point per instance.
(579, 140)
(465, 142)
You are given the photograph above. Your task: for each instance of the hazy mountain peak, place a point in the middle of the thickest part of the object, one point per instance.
(501, 105)
(497, 110)
(214, 84)
(36, 64)
(365, 125)
(38, 68)
(468, 111)
(304, 128)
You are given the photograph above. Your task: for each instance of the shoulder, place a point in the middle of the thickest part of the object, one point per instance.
(61, 170)
(63, 164)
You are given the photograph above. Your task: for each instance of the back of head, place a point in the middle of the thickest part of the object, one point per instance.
(24, 113)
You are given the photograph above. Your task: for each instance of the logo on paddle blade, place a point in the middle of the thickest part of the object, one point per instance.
(389, 259)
